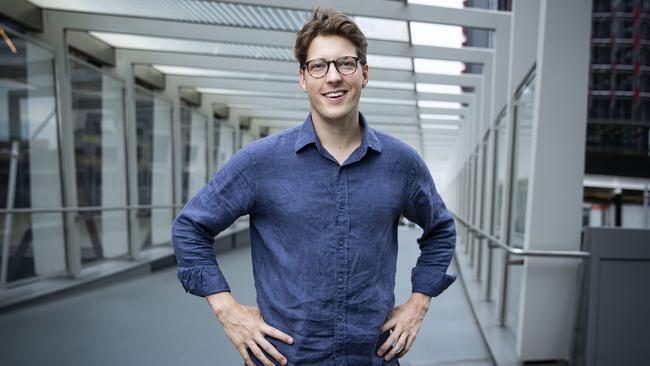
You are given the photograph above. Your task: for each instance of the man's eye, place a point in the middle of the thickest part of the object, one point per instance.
(317, 66)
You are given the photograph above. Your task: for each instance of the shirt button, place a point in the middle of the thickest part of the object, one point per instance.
(340, 279)
(341, 243)
(340, 317)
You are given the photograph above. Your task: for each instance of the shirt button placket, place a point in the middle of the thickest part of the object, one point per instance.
(341, 265)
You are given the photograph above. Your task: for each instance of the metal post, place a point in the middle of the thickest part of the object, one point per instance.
(646, 197)
(6, 238)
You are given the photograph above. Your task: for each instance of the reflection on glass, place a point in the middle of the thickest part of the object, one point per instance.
(28, 124)
(194, 143)
(154, 145)
(523, 123)
(98, 112)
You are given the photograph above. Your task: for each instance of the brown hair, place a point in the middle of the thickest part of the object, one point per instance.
(329, 22)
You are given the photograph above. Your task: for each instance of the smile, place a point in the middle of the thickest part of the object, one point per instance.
(335, 93)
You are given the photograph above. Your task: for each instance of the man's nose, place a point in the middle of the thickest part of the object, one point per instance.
(333, 74)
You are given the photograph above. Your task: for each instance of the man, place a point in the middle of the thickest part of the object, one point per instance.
(324, 201)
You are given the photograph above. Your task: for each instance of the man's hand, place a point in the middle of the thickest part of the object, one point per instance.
(404, 321)
(246, 329)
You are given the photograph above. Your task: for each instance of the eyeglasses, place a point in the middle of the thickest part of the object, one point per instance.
(319, 67)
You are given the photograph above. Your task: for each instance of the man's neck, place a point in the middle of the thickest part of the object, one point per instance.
(338, 136)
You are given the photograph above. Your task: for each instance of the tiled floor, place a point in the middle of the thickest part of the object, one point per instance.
(149, 320)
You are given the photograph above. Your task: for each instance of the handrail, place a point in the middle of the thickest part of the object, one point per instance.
(84, 209)
(480, 234)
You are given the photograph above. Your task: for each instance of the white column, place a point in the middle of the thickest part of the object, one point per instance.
(162, 189)
(124, 69)
(553, 218)
(113, 230)
(39, 111)
(53, 34)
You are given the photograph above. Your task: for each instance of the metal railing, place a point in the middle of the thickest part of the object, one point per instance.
(4, 264)
(498, 244)
(480, 234)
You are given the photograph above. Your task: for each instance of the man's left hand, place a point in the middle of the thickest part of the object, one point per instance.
(404, 321)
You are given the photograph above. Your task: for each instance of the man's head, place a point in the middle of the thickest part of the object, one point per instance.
(331, 50)
(329, 22)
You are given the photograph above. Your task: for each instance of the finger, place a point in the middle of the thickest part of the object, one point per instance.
(244, 354)
(259, 354)
(401, 342)
(389, 324)
(389, 342)
(409, 342)
(275, 333)
(268, 347)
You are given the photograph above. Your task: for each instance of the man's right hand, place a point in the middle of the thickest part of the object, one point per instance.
(246, 329)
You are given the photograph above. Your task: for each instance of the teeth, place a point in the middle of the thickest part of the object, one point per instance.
(334, 94)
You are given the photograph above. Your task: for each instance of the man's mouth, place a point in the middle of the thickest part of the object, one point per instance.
(335, 94)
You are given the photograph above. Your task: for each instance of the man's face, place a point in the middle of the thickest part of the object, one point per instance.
(325, 104)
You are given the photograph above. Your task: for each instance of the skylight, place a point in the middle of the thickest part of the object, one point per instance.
(446, 117)
(151, 43)
(437, 88)
(391, 30)
(440, 35)
(431, 66)
(436, 104)
(217, 73)
(436, 126)
(390, 62)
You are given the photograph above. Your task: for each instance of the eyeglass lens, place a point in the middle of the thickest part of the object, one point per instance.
(345, 65)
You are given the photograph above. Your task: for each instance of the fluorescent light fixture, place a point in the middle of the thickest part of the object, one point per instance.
(245, 92)
(440, 35)
(150, 43)
(398, 85)
(407, 102)
(435, 104)
(437, 88)
(434, 126)
(376, 28)
(444, 3)
(431, 66)
(195, 71)
(446, 117)
(390, 62)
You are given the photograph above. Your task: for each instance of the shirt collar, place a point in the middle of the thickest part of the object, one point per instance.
(307, 135)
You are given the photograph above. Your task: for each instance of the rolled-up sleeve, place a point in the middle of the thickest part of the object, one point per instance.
(425, 207)
(227, 196)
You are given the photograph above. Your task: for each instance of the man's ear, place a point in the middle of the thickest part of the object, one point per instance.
(365, 75)
(301, 78)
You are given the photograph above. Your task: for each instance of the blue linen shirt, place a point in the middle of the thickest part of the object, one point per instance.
(323, 238)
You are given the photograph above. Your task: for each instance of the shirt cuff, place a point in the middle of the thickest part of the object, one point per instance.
(202, 280)
(430, 281)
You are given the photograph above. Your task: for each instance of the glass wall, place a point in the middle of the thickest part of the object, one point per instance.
(32, 244)
(98, 114)
(523, 125)
(154, 160)
(194, 145)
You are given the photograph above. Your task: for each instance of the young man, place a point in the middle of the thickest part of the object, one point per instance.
(324, 201)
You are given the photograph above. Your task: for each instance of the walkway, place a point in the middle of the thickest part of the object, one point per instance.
(149, 320)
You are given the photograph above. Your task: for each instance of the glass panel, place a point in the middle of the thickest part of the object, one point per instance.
(153, 124)
(98, 114)
(521, 170)
(194, 143)
(34, 243)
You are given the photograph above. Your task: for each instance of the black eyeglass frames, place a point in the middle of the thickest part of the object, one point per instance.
(319, 67)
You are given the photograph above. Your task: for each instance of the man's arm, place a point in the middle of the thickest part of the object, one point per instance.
(429, 278)
(227, 196)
